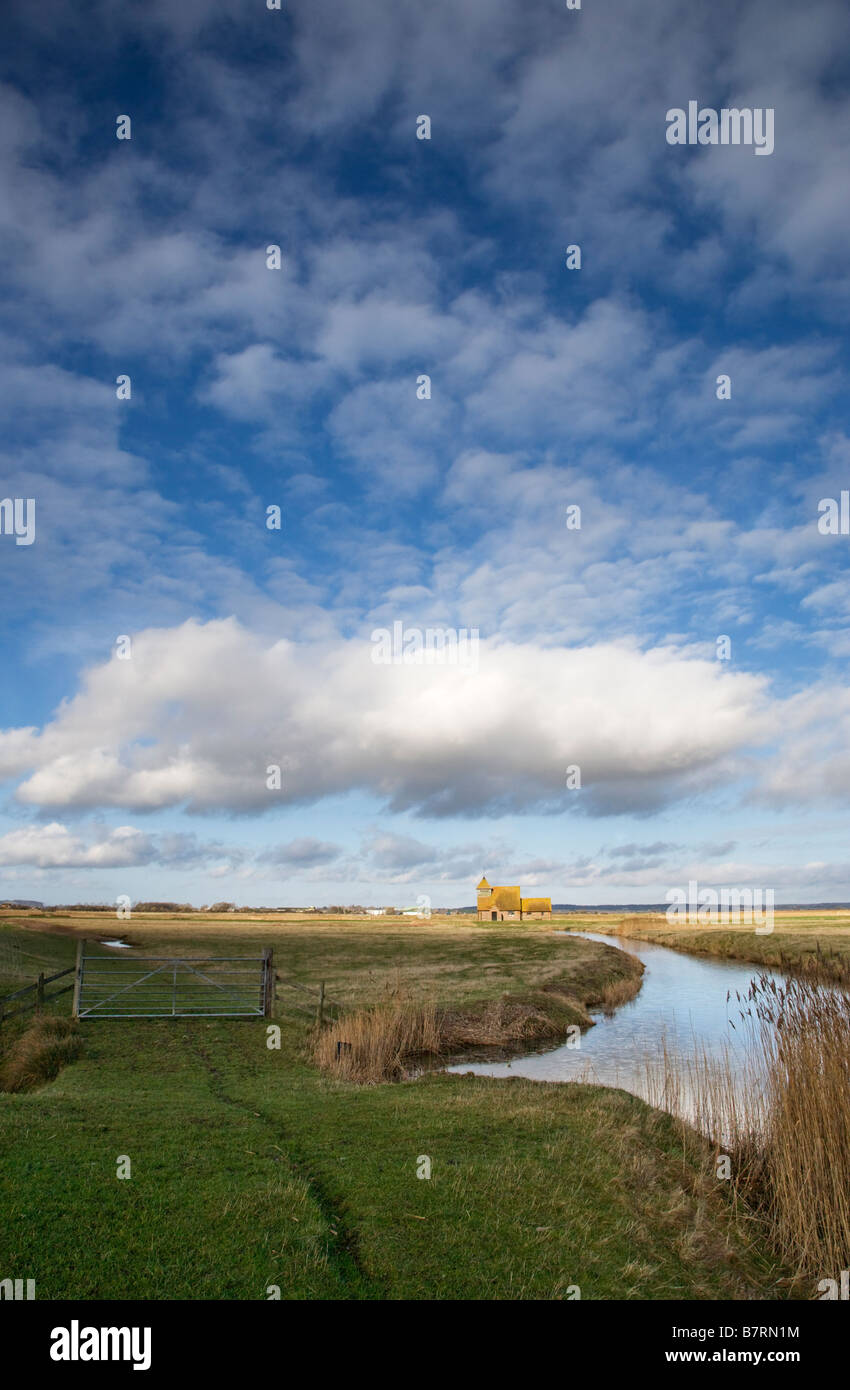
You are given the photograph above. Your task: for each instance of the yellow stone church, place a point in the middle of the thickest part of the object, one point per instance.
(508, 904)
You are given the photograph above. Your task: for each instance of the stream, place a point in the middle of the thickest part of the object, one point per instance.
(683, 1009)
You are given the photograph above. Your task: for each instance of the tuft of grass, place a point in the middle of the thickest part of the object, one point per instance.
(39, 1053)
(373, 1044)
(382, 1042)
(618, 992)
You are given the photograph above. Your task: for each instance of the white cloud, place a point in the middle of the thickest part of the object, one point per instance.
(201, 711)
(55, 846)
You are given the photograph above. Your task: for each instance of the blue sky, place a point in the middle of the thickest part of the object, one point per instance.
(297, 387)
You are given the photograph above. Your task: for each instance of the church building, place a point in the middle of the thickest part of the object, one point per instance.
(508, 904)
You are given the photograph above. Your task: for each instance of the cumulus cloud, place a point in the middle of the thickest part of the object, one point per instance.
(202, 711)
(56, 846)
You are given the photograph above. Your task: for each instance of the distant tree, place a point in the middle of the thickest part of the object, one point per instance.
(163, 907)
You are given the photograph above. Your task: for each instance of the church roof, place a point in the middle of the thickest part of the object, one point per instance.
(508, 899)
(483, 884)
(537, 904)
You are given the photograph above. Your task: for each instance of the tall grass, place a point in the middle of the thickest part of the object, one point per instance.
(617, 992)
(806, 1036)
(373, 1044)
(382, 1042)
(38, 1054)
(783, 1117)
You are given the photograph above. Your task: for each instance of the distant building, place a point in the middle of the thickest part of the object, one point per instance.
(508, 904)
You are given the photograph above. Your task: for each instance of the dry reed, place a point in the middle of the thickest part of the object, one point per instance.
(782, 1116)
(381, 1043)
(612, 996)
(373, 1044)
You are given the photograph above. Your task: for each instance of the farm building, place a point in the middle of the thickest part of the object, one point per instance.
(507, 904)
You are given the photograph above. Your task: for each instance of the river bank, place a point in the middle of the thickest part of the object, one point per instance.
(815, 944)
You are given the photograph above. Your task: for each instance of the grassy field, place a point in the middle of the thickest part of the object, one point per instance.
(252, 1169)
(809, 942)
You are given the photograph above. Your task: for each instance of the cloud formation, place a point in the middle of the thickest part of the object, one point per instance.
(200, 713)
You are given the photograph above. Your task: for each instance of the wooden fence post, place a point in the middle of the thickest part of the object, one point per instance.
(321, 1007)
(78, 978)
(268, 982)
(39, 993)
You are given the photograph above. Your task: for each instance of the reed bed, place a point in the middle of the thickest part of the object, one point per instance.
(782, 1116)
(384, 1042)
(375, 1043)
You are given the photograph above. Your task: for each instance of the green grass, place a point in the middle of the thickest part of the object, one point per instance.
(250, 1168)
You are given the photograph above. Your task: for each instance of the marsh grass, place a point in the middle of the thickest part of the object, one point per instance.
(805, 1032)
(783, 1117)
(39, 1053)
(618, 992)
(384, 1041)
(373, 1044)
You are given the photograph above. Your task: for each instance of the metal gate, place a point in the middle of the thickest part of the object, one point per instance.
(173, 987)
